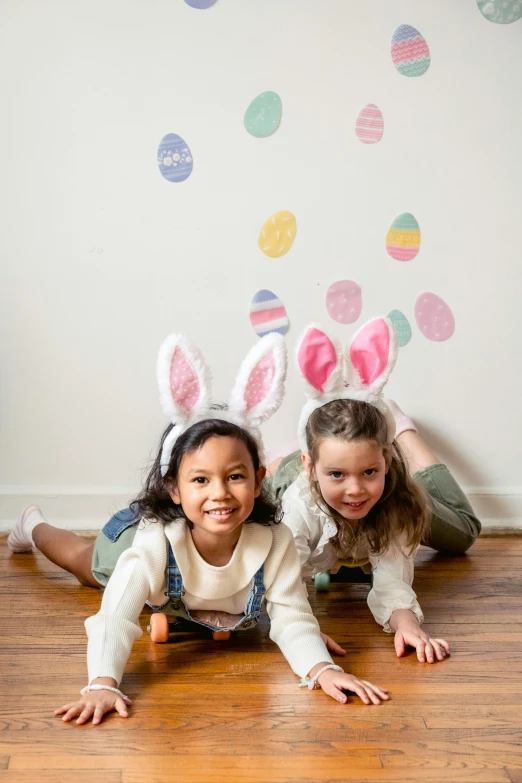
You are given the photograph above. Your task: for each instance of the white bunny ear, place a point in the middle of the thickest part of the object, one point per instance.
(373, 353)
(320, 361)
(259, 387)
(183, 379)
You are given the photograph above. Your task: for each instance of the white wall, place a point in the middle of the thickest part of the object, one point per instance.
(102, 257)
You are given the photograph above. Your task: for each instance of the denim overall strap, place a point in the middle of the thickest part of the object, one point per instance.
(255, 596)
(118, 523)
(174, 578)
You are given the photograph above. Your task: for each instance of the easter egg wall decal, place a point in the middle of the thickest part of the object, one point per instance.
(200, 3)
(268, 313)
(434, 318)
(278, 234)
(401, 327)
(263, 115)
(403, 237)
(174, 158)
(344, 301)
(500, 11)
(369, 126)
(410, 53)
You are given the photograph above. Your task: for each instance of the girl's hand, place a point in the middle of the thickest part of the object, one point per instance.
(427, 648)
(94, 704)
(334, 683)
(332, 646)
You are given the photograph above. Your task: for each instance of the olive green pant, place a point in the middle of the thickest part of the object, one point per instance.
(454, 526)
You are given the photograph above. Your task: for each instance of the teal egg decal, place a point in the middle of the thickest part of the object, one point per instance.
(263, 115)
(500, 11)
(401, 327)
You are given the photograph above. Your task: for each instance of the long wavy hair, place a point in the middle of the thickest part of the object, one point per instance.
(401, 514)
(154, 501)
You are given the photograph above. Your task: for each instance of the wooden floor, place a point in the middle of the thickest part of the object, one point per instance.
(209, 712)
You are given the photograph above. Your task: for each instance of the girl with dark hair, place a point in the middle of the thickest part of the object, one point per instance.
(201, 542)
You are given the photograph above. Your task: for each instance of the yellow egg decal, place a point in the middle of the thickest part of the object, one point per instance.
(278, 234)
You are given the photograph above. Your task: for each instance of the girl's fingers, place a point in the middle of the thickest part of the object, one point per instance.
(60, 710)
(332, 646)
(373, 696)
(382, 692)
(429, 652)
(72, 712)
(439, 651)
(360, 690)
(98, 715)
(85, 715)
(335, 648)
(335, 693)
(420, 650)
(399, 645)
(120, 706)
(444, 645)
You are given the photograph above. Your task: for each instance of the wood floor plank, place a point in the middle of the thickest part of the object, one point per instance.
(209, 713)
(68, 775)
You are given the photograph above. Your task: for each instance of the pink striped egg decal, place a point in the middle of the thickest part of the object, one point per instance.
(344, 301)
(268, 313)
(434, 318)
(369, 126)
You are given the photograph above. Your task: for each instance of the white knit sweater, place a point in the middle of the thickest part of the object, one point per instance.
(312, 530)
(139, 576)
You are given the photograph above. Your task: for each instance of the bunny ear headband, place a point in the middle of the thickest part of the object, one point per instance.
(372, 354)
(185, 388)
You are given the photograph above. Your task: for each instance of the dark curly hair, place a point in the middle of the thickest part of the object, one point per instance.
(154, 501)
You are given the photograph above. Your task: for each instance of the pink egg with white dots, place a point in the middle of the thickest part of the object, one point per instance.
(344, 301)
(434, 317)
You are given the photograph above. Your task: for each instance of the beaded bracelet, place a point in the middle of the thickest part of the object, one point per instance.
(311, 682)
(102, 688)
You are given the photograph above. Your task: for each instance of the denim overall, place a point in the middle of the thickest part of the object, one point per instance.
(175, 606)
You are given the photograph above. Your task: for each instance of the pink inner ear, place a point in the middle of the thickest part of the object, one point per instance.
(260, 381)
(369, 351)
(184, 383)
(317, 358)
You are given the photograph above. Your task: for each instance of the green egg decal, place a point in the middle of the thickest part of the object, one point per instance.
(263, 115)
(401, 326)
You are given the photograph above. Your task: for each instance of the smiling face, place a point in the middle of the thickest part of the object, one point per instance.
(350, 474)
(216, 486)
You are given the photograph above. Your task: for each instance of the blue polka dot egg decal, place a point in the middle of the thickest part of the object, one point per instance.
(401, 327)
(500, 11)
(263, 115)
(200, 3)
(174, 158)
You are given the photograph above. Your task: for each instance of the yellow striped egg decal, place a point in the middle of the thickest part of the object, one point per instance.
(403, 237)
(278, 234)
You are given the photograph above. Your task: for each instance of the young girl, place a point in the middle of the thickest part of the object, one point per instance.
(207, 548)
(355, 503)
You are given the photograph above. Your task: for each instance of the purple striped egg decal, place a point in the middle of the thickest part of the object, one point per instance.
(174, 158)
(344, 301)
(268, 313)
(200, 3)
(369, 126)
(434, 318)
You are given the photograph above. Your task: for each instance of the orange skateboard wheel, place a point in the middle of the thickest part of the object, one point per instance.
(159, 627)
(221, 636)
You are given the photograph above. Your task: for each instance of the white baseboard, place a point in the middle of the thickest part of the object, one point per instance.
(88, 508)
